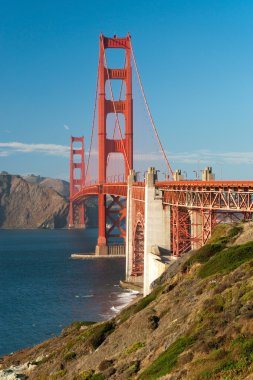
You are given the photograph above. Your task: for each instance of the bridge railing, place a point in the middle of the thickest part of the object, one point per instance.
(116, 249)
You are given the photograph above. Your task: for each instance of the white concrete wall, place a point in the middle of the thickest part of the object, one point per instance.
(196, 227)
(156, 268)
(129, 226)
(129, 232)
(157, 230)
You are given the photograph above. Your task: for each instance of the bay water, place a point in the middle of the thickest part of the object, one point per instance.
(42, 289)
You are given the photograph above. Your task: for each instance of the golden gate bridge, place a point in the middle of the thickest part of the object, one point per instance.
(176, 215)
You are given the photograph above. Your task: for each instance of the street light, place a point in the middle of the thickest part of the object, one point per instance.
(137, 176)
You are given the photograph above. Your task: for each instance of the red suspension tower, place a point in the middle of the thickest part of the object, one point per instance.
(113, 210)
(77, 181)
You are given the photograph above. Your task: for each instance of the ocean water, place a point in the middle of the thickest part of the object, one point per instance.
(42, 289)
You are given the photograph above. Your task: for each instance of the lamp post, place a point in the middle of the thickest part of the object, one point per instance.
(196, 174)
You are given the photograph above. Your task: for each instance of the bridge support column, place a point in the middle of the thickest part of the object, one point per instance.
(129, 226)
(156, 232)
(101, 247)
(196, 229)
(77, 218)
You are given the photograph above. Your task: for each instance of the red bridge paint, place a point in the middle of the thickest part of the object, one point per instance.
(106, 207)
(195, 206)
(77, 182)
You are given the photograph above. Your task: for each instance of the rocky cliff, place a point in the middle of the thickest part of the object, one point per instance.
(59, 185)
(28, 205)
(197, 324)
(38, 202)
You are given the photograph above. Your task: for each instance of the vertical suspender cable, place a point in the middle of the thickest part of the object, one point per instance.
(149, 113)
(93, 125)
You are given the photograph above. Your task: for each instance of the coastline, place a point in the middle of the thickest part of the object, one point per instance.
(92, 256)
(125, 299)
(72, 290)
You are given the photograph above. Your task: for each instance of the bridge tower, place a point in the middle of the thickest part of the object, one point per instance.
(107, 210)
(77, 181)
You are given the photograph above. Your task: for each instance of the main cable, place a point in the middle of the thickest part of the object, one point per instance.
(149, 113)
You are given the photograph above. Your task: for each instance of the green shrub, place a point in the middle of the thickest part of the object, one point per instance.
(100, 333)
(167, 360)
(228, 260)
(69, 344)
(143, 302)
(85, 375)
(75, 326)
(135, 347)
(58, 374)
(89, 375)
(248, 296)
(133, 368)
(220, 237)
(97, 376)
(219, 233)
(235, 230)
(204, 254)
(244, 347)
(69, 355)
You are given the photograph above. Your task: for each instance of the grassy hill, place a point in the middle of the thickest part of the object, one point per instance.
(196, 324)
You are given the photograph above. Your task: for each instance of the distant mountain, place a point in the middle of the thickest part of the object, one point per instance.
(37, 202)
(29, 205)
(59, 185)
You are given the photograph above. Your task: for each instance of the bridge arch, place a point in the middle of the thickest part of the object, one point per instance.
(138, 247)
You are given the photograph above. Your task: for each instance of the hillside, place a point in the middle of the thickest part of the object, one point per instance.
(37, 202)
(196, 324)
(62, 187)
(26, 205)
(59, 185)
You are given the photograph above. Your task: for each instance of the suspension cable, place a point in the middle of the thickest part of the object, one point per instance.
(93, 124)
(114, 108)
(149, 112)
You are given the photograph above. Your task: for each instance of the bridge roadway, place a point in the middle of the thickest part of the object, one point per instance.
(212, 195)
(173, 216)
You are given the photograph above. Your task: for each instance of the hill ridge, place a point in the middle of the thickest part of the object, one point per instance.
(196, 324)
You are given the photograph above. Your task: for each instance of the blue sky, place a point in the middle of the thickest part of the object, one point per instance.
(196, 63)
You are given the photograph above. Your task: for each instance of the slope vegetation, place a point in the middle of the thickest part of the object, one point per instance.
(196, 324)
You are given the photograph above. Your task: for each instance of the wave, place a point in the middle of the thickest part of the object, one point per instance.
(115, 309)
(123, 299)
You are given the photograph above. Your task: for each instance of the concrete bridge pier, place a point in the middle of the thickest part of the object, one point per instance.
(196, 228)
(147, 233)
(156, 233)
(129, 231)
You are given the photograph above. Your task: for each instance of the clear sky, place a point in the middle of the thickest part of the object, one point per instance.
(195, 59)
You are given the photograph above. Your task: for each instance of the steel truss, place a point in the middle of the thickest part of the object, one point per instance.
(115, 217)
(225, 197)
